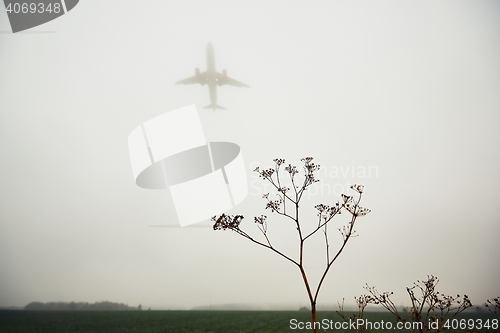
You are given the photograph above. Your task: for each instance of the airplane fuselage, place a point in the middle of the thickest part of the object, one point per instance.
(212, 79)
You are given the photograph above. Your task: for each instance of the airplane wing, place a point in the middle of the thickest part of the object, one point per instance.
(222, 79)
(198, 78)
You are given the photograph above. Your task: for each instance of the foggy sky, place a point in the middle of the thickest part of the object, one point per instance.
(408, 89)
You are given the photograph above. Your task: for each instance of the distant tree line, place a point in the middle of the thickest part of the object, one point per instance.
(80, 306)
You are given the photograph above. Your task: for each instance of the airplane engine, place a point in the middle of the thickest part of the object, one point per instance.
(197, 71)
(224, 72)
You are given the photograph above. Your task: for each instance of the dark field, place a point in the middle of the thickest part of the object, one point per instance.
(176, 321)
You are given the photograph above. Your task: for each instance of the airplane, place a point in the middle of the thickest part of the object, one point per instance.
(212, 79)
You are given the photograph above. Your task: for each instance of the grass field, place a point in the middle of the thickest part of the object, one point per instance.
(174, 321)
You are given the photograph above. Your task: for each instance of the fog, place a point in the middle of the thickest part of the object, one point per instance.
(399, 96)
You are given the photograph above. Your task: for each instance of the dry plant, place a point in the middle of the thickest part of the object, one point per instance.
(493, 305)
(289, 192)
(362, 302)
(428, 307)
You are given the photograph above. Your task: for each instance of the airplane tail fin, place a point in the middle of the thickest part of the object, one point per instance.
(214, 106)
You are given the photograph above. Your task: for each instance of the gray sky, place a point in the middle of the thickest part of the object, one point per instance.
(408, 89)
